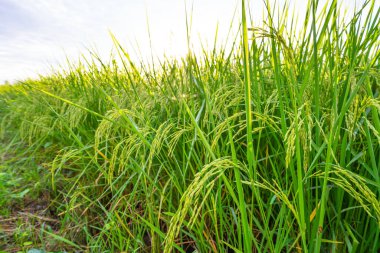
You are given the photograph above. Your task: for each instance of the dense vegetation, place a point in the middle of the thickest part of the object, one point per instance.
(270, 146)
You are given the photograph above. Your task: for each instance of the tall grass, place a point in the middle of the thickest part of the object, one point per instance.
(270, 147)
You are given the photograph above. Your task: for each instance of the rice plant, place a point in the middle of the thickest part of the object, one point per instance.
(272, 145)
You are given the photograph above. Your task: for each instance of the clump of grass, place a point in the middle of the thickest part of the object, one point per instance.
(269, 147)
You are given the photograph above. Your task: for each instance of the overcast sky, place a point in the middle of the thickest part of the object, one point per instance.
(37, 34)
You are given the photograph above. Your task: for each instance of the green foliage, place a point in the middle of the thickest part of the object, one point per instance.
(270, 147)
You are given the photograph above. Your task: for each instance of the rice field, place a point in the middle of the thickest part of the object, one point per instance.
(269, 145)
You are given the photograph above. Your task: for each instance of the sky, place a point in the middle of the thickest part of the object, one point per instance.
(38, 35)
